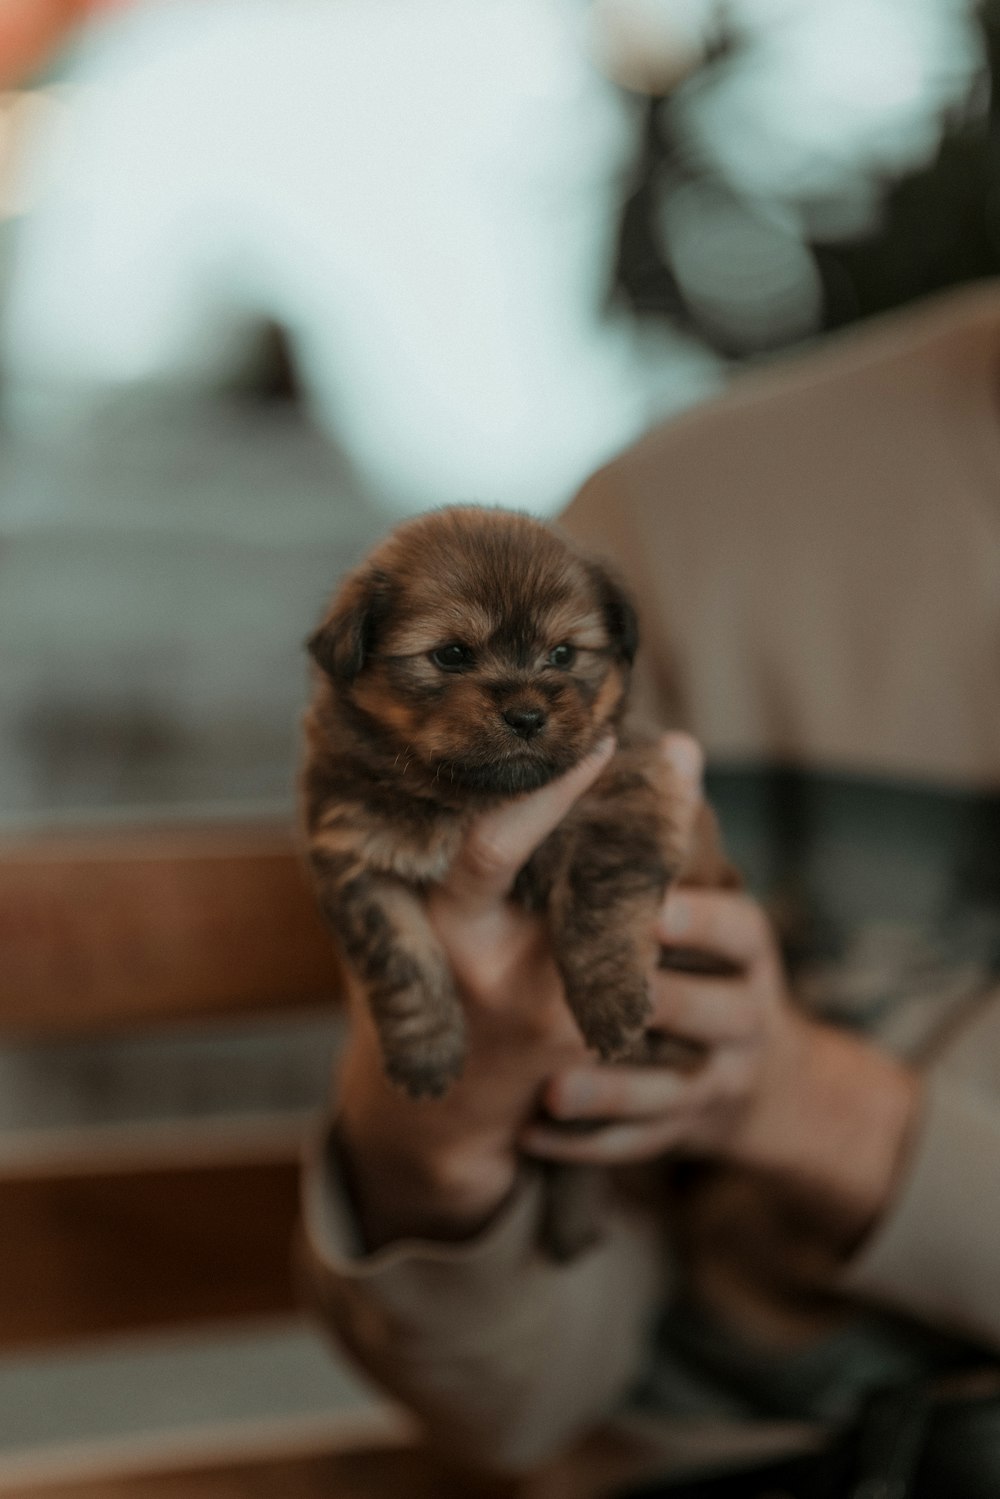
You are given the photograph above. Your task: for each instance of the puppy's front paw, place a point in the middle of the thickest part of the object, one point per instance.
(612, 1019)
(421, 1030)
(426, 1068)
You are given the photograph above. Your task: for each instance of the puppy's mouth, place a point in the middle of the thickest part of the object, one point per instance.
(507, 775)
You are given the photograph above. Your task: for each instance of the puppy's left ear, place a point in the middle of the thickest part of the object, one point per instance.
(346, 639)
(620, 618)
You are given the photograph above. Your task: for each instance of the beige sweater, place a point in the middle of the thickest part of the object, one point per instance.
(817, 559)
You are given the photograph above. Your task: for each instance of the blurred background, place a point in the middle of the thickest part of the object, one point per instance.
(276, 272)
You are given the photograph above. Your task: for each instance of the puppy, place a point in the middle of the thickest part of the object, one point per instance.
(474, 656)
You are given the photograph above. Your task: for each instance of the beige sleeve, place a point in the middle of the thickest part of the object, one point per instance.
(936, 1255)
(499, 1351)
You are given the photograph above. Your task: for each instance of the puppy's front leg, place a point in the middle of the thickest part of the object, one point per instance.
(603, 905)
(380, 924)
(609, 883)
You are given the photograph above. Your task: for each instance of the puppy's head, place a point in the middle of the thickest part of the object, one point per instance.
(482, 647)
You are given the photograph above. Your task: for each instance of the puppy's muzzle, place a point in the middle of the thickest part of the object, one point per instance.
(525, 721)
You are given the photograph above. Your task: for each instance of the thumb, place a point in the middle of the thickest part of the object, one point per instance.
(500, 842)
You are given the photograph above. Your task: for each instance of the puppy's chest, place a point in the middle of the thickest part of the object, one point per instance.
(414, 845)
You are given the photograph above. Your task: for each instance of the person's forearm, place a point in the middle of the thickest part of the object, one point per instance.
(936, 1254)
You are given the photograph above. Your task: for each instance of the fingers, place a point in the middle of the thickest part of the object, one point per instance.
(614, 1145)
(637, 1112)
(621, 1093)
(712, 1012)
(500, 842)
(611, 1092)
(723, 923)
(685, 762)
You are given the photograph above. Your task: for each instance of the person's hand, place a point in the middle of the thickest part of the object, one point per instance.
(443, 1166)
(814, 1111)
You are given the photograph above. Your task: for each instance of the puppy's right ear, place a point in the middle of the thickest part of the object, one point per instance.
(620, 617)
(347, 637)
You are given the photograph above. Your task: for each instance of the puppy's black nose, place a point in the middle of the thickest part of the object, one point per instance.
(526, 722)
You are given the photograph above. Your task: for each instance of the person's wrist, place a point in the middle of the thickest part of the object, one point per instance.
(412, 1174)
(403, 1192)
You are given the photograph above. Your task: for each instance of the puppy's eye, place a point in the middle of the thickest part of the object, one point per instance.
(562, 655)
(452, 657)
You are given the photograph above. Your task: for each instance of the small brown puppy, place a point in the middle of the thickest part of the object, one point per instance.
(474, 656)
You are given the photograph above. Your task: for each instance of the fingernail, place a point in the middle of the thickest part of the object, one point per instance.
(684, 755)
(676, 916)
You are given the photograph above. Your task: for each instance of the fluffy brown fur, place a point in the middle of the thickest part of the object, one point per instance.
(474, 656)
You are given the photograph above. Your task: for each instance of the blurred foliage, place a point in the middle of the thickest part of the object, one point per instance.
(940, 226)
(931, 227)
